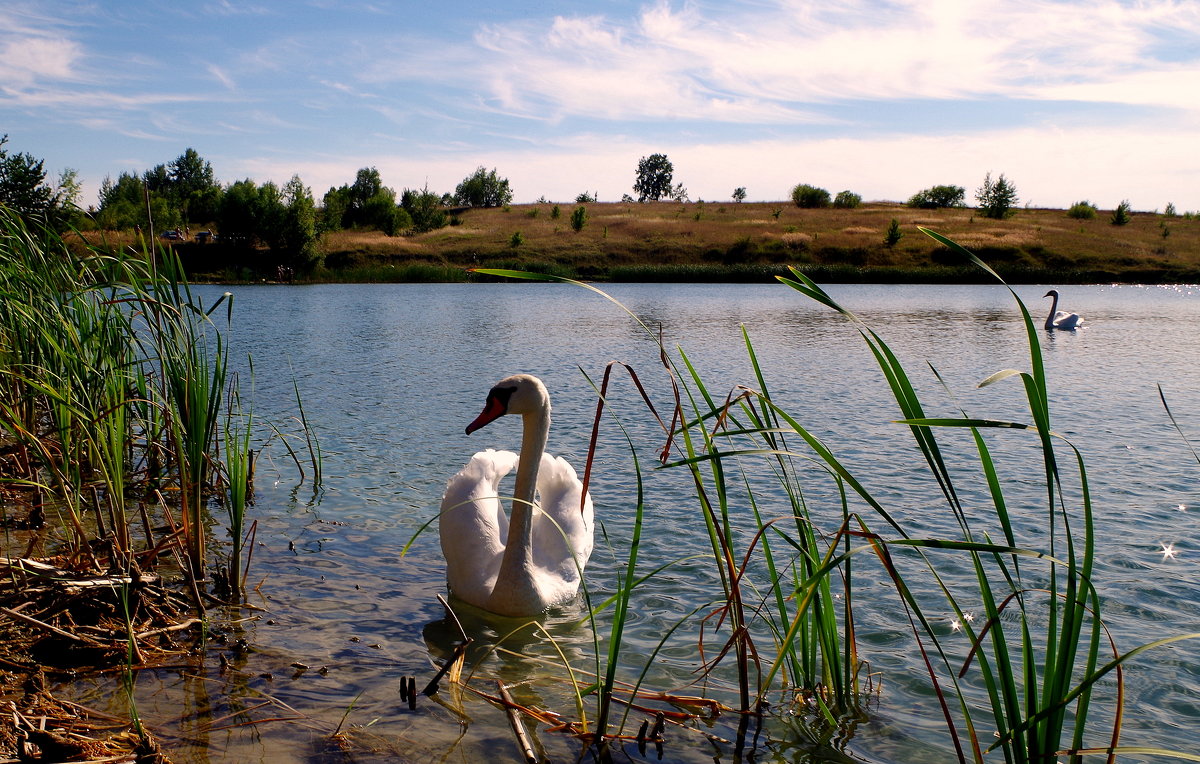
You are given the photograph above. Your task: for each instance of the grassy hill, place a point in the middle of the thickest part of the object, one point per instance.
(712, 241)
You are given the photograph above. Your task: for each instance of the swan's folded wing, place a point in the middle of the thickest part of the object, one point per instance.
(472, 524)
(562, 527)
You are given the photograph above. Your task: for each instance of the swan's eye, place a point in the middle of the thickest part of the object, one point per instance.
(502, 394)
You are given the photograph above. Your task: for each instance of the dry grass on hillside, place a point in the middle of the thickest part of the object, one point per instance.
(772, 234)
(668, 233)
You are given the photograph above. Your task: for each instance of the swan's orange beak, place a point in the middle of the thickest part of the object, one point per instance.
(492, 410)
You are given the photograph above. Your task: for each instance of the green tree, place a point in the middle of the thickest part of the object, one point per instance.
(808, 196)
(739, 194)
(334, 206)
(367, 183)
(189, 173)
(484, 188)
(424, 207)
(996, 198)
(23, 186)
(158, 179)
(382, 212)
(240, 217)
(300, 240)
(579, 219)
(893, 233)
(654, 175)
(192, 187)
(936, 197)
(366, 186)
(1121, 214)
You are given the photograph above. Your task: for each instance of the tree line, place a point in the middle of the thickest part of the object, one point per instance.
(264, 226)
(267, 226)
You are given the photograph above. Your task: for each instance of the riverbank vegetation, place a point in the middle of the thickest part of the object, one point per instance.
(122, 436)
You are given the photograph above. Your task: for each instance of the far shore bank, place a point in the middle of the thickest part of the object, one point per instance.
(746, 242)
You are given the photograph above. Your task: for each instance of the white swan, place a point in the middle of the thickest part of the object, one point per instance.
(523, 564)
(1060, 319)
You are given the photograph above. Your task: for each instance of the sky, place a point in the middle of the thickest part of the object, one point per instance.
(1069, 99)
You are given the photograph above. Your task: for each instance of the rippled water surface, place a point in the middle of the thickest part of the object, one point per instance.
(390, 375)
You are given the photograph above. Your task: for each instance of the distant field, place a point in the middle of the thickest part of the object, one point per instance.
(708, 239)
(751, 241)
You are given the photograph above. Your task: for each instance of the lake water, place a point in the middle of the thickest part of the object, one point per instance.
(390, 375)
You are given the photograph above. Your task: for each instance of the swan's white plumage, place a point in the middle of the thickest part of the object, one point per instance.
(1060, 319)
(535, 561)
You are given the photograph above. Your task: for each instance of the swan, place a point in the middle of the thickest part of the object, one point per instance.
(522, 564)
(1060, 319)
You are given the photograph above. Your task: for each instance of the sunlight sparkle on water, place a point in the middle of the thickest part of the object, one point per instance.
(1168, 552)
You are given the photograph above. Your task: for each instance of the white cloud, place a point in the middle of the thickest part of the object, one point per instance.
(771, 63)
(30, 61)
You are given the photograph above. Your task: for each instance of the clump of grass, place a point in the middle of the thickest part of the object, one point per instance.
(113, 379)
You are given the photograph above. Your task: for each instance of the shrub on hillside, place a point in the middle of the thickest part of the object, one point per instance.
(847, 200)
(893, 233)
(579, 219)
(1084, 210)
(1121, 214)
(810, 197)
(936, 197)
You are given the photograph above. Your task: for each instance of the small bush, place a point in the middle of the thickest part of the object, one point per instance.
(579, 219)
(586, 197)
(1084, 210)
(847, 200)
(555, 213)
(810, 197)
(533, 213)
(1170, 210)
(516, 240)
(893, 233)
(1121, 214)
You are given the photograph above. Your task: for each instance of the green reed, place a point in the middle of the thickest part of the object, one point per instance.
(238, 478)
(784, 566)
(1037, 682)
(114, 380)
(783, 579)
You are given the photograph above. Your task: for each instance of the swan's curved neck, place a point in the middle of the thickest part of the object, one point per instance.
(535, 431)
(1053, 311)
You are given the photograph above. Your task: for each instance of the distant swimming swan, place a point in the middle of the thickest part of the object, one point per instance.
(1060, 319)
(521, 564)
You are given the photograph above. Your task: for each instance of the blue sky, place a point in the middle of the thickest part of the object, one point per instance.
(1069, 99)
